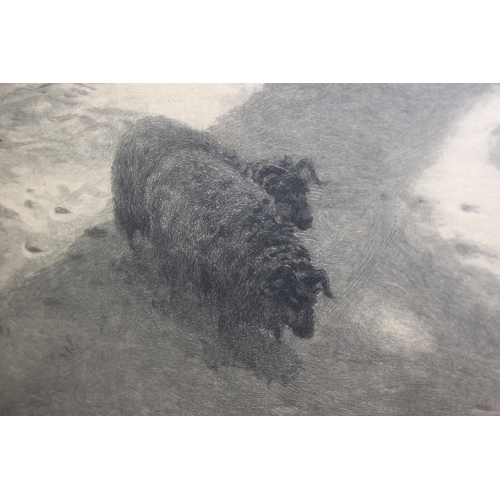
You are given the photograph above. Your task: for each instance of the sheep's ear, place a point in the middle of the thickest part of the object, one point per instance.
(306, 171)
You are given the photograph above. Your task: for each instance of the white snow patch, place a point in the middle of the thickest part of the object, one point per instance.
(464, 185)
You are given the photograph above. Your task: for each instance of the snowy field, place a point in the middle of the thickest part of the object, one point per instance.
(57, 147)
(463, 186)
(407, 228)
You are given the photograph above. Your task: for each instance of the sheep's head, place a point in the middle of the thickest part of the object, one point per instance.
(289, 184)
(294, 290)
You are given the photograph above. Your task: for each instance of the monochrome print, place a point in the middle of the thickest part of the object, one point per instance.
(249, 249)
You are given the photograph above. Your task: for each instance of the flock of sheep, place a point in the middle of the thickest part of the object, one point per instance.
(222, 224)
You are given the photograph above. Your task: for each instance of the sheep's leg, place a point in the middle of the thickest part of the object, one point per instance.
(127, 228)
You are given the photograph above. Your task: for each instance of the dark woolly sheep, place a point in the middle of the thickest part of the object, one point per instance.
(214, 228)
(288, 182)
(141, 151)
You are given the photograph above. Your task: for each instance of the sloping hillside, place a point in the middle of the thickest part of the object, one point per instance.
(414, 329)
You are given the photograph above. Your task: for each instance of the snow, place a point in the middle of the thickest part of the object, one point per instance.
(463, 186)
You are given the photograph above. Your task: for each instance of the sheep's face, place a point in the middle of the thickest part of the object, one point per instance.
(294, 293)
(290, 194)
(299, 316)
(291, 201)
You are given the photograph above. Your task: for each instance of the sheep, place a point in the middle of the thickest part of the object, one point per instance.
(215, 229)
(141, 151)
(288, 182)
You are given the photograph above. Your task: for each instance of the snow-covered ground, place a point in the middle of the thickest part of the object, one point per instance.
(197, 104)
(463, 186)
(56, 149)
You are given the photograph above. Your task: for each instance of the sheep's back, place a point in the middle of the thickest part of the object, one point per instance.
(206, 220)
(141, 152)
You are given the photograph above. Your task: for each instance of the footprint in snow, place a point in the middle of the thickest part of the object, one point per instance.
(32, 249)
(61, 210)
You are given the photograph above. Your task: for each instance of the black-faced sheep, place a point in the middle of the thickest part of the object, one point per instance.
(214, 228)
(288, 182)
